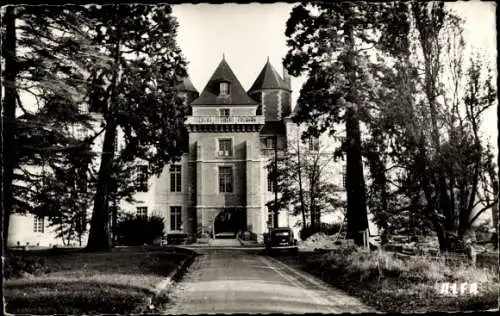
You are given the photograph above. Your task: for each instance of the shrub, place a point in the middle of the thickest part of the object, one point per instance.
(325, 228)
(406, 269)
(392, 282)
(305, 232)
(330, 228)
(17, 266)
(134, 230)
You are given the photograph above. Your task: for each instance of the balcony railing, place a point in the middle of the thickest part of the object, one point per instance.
(259, 119)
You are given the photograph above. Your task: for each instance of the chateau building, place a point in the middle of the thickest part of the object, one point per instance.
(220, 184)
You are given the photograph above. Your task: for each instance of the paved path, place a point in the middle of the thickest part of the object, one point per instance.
(239, 281)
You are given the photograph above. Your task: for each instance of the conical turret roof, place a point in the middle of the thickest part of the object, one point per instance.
(269, 79)
(210, 94)
(186, 85)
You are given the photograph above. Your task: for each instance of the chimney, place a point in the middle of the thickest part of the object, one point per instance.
(287, 79)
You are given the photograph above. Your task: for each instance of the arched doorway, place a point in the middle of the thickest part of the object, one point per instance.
(228, 222)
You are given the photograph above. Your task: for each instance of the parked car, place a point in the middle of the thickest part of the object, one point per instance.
(281, 239)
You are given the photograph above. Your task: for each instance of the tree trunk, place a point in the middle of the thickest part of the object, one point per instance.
(276, 206)
(8, 118)
(301, 190)
(315, 178)
(431, 52)
(114, 218)
(439, 227)
(444, 242)
(100, 235)
(357, 217)
(494, 208)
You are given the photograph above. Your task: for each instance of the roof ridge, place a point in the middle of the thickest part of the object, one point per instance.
(186, 84)
(268, 78)
(210, 94)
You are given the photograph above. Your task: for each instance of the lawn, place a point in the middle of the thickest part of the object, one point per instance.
(393, 283)
(67, 281)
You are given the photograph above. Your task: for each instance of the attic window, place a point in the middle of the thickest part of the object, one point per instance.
(224, 88)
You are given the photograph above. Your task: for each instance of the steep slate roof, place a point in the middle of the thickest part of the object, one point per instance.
(186, 85)
(269, 79)
(210, 94)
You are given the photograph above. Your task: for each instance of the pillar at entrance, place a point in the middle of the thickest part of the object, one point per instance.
(254, 201)
(199, 196)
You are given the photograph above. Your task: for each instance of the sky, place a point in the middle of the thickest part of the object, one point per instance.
(247, 34)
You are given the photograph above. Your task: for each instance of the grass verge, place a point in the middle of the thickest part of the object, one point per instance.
(77, 282)
(392, 283)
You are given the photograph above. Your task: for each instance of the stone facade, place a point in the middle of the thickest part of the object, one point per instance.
(237, 118)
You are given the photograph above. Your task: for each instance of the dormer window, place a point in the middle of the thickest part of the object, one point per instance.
(224, 89)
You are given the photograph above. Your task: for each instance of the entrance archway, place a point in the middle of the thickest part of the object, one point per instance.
(228, 222)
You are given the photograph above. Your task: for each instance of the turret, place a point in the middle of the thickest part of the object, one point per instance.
(272, 92)
(187, 91)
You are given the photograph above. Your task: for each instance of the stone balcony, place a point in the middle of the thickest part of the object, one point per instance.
(225, 123)
(254, 119)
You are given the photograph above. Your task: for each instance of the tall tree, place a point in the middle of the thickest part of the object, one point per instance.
(436, 145)
(137, 94)
(8, 114)
(330, 43)
(44, 52)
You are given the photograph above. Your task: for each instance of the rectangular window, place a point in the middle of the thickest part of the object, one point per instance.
(175, 178)
(141, 179)
(175, 218)
(38, 224)
(270, 182)
(81, 221)
(270, 218)
(82, 108)
(225, 147)
(225, 179)
(142, 211)
(115, 144)
(313, 143)
(270, 142)
(344, 176)
(224, 88)
(224, 112)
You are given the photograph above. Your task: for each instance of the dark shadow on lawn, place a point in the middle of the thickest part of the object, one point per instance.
(129, 260)
(73, 298)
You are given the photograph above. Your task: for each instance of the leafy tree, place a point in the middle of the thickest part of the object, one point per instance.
(304, 182)
(436, 151)
(65, 195)
(136, 94)
(330, 42)
(43, 53)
